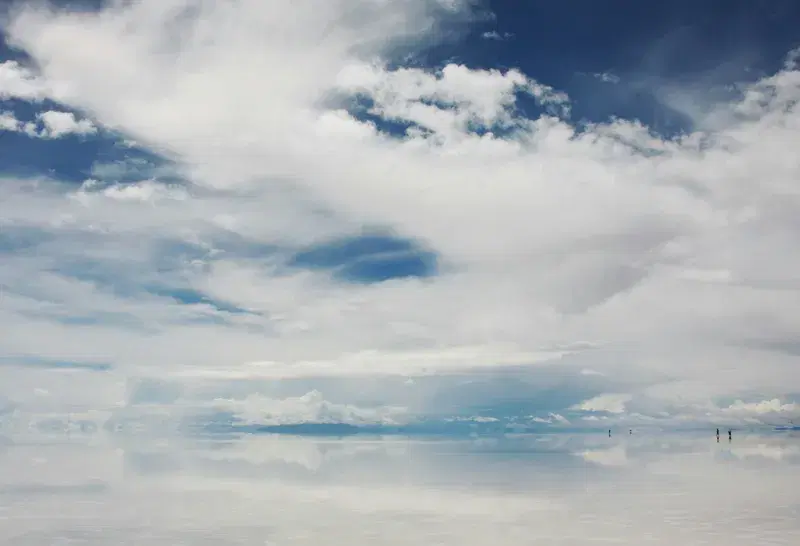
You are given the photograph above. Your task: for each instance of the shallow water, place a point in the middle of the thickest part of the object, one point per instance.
(553, 489)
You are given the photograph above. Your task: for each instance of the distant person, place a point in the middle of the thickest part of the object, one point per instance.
(609, 433)
(630, 431)
(730, 435)
(717, 433)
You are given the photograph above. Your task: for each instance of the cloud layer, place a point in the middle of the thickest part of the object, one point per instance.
(663, 266)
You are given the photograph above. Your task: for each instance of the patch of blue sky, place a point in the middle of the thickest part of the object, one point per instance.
(143, 391)
(104, 156)
(368, 259)
(363, 109)
(98, 318)
(16, 239)
(53, 364)
(98, 273)
(163, 276)
(173, 254)
(54, 312)
(519, 408)
(127, 162)
(68, 158)
(151, 283)
(168, 259)
(219, 243)
(630, 61)
(189, 296)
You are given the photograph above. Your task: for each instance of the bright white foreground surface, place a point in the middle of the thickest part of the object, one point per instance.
(554, 490)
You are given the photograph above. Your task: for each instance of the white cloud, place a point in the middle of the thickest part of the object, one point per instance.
(676, 255)
(607, 77)
(58, 124)
(446, 103)
(309, 408)
(609, 403)
(8, 122)
(615, 456)
(552, 418)
(494, 35)
(52, 124)
(18, 82)
(765, 406)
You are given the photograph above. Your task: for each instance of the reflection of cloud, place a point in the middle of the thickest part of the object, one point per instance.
(265, 450)
(552, 418)
(616, 456)
(306, 452)
(58, 465)
(768, 451)
(518, 490)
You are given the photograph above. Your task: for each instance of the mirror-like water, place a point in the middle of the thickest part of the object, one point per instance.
(555, 490)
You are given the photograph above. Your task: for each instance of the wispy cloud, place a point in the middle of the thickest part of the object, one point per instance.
(494, 35)
(607, 77)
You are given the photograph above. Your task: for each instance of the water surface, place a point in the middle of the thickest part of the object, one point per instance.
(268, 489)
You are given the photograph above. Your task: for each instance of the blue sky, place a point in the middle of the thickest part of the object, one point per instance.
(563, 215)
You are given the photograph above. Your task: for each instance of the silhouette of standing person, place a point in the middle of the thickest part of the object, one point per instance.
(730, 435)
(609, 433)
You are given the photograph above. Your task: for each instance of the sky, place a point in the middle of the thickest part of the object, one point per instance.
(444, 213)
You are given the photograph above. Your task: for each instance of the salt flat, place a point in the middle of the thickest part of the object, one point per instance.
(645, 488)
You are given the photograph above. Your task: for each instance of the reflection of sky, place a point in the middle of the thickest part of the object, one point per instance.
(556, 489)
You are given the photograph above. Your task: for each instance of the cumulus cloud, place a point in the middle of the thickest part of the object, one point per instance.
(309, 408)
(293, 125)
(8, 122)
(444, 108)
(58, 124)
(609, 403)
(51, 124)
(18, 82)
